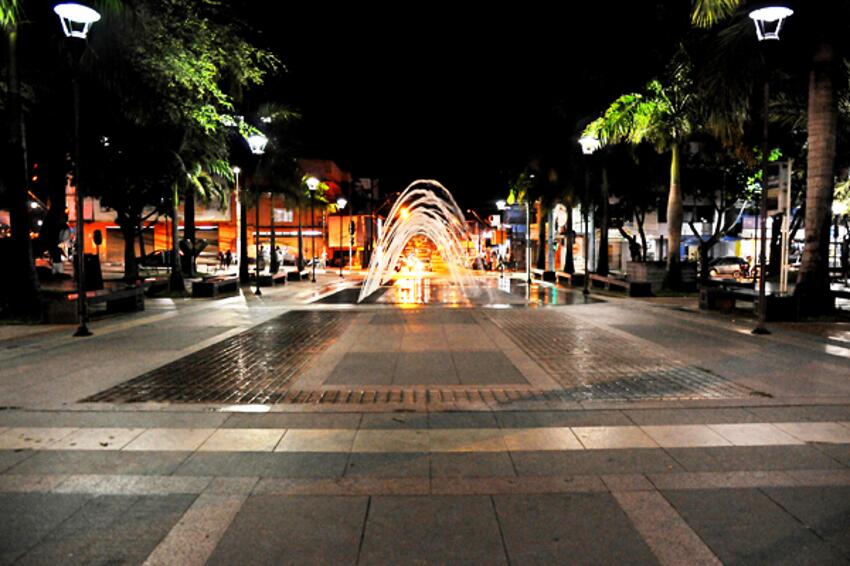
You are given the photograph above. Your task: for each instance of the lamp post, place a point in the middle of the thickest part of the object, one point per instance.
(76, 22)
(340, 204)
(312, 185)
(240, 227)
(589, 145)
(768, 22)
(528, 240)
(257, 142)
(501, 205)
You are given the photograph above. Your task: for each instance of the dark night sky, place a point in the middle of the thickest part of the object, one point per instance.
(455, 93)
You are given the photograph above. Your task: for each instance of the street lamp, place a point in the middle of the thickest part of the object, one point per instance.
(528, 241)
(312, 185)
(340, 204)
(76, 22)
(240, 224)
(257, 142)
(589, 145)
(768, 22)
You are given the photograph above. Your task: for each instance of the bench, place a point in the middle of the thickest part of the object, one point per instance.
(543, 275)
(60, 307)
(154, 286)
(292, 274)
(272, 279)
(214, 286)
(569, 279)
(632, 288)
(725, 299)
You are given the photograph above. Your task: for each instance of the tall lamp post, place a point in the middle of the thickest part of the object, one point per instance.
(501, 205)
(768, 22)
(528, 240)
(313, 184)
(257, 143)
(589, 145)
(76, 22)
(240, 227)
(340, 204)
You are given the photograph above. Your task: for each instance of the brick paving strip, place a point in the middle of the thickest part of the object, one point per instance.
(435, 440)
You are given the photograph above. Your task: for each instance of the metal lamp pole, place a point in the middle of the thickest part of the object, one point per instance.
(257, 142)
(76, 21)
(312, 185)
(527, 243)
(589, 144)
(768, 22)
(340, 203)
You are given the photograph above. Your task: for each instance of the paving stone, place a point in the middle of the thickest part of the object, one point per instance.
(9, 458)
(486, 368)
(316, 440)
(394, 421)
(471, 465)
(100, 462)
(752, 458)
(825, 510)
(111, 419)
(293, 530)
(582, 528)
(597, 462)
(364, 368)
(691, 416)
(28, 517)
(744, 526)
(513, 419)
(838, 452)
(417, 530)
(425, 368)
(111, 529)
(384, 440)
(261, 464)
(817, 413)
(389, 465)
(293, 420)
(462, 420)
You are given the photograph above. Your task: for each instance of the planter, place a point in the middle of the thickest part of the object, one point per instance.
(651, 272)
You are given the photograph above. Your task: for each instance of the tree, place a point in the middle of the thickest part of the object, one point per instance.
(821, 28)
(664, 114)
(22, 292)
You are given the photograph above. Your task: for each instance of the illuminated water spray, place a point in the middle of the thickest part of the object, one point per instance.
(425, 208)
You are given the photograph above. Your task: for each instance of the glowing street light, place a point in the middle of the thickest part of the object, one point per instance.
(404, 213)
(501, 204)
(769, 20)
(77, 21)
(313, 185)
(257, 143)
(589, 144)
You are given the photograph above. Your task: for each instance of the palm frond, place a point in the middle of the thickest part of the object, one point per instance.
(707, 13)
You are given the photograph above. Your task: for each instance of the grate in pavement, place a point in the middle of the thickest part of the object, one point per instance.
(255, 366)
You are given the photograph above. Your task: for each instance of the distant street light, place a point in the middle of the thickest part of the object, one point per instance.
(501, 205)
(589, 145)
(340, 204)
(768, 22)
(257, 142)
(312, 185)
(76, 22)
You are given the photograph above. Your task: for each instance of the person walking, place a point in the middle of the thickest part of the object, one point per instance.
(228, 259)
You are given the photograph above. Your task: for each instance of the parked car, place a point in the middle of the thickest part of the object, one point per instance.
(730, 265)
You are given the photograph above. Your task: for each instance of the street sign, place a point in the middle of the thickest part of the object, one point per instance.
(778, 178)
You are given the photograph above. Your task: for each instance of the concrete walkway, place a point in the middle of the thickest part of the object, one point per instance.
(611, 432)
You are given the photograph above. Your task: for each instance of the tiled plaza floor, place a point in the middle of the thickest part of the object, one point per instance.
(588, 433)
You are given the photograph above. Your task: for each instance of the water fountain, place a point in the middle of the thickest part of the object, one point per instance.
(425, 208)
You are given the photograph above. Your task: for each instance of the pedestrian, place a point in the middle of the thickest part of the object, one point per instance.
(261, 259)
(228, 259)
(221, 260)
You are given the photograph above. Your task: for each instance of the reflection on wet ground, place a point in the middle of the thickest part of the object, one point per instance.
(490, 291)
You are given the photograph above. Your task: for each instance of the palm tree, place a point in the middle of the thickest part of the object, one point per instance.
(664, 114)
(23, 281)
(824, 30)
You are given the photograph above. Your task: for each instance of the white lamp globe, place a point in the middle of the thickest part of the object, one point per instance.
(312, 183)
(257, 143)
(769, 21)
(76, 19)
(589, 144)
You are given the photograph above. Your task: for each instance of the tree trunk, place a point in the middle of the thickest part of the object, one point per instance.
(188, 261)
(569, 264)
(275, 266)
(675, 214)
(602, 255)
(244, 275)
(300, 239)
(640, 217)
(813, 281)
(541, 236)
(23, 288)
(175, 282)
(129, 226)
